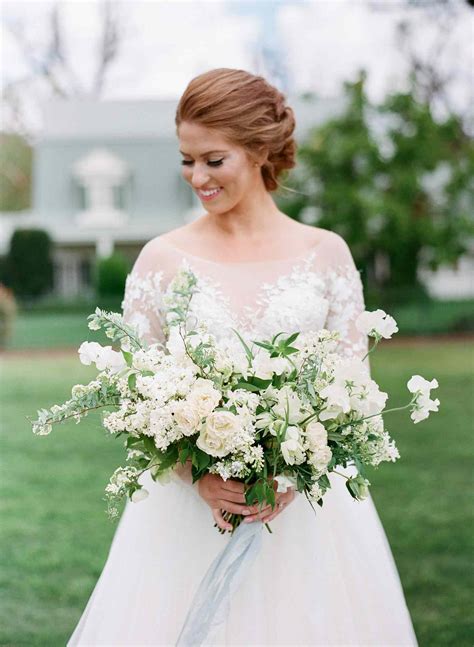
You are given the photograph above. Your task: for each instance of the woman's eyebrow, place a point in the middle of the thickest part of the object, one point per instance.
(204, 154)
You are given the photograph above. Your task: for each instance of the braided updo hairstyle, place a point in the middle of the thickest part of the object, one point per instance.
(247, 111)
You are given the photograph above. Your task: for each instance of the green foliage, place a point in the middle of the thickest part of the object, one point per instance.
(394, 182)
(110, 275)
(29, 264)
(15, 172)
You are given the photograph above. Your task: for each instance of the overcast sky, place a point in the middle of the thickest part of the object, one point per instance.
(321, 43)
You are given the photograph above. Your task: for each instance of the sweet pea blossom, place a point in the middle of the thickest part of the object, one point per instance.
(291, 447)
(102, 356)
(376, 324)
(422, 404)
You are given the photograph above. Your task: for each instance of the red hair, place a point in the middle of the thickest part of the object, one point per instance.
(247, 111)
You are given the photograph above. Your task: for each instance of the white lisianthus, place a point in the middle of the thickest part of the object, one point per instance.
(423, 404)
(316, 435)
(186, 417)
(376, 323)
(284, 482)
(218, 433)
(291, 447)
(204, 397)
(139, 495)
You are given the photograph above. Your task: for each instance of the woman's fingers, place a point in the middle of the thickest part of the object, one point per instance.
(230, 495)
(259, 515)
(219, 519)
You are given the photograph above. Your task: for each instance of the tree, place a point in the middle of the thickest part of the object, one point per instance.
(394, 182)
(15, 172)
(29, 265)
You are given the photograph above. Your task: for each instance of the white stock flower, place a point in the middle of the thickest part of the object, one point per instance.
(218, 433)
(291, 447)
(423, 404)
(316, 435)
(320, 458)
(376, 323)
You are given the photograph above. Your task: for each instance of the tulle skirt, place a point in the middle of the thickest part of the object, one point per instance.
(320, 579)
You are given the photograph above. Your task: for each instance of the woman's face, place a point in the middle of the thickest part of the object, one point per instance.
(220, 172)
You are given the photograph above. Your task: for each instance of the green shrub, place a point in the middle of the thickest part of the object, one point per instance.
(29, 265)
(110, 275)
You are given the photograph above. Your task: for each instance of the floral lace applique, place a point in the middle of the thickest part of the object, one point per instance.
(302, 299)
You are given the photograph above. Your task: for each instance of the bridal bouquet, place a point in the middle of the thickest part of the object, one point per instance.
(288, 409)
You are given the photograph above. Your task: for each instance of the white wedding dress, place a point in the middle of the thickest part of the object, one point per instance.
(320, 579)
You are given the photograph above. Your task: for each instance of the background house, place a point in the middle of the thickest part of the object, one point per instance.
(107, 176)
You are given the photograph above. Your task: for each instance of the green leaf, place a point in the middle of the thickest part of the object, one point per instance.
(132, 381)
(128, 357)
(248, 352)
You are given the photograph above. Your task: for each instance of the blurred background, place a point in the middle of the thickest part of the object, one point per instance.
(90, 171)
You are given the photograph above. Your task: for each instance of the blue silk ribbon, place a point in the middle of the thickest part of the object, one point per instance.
(211, 603)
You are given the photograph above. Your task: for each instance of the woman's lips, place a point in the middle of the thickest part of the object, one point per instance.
(206, 198)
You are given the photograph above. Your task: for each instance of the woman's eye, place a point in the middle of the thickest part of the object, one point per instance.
(211, 162)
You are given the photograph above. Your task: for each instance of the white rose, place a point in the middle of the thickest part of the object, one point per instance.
(204, 397)
(218, 432)
(186, 418)
(316, 435)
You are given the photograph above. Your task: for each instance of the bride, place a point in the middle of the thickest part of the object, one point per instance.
(320, 579)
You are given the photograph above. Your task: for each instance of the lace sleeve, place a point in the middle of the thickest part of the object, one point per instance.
(346, 301)
(142, 302)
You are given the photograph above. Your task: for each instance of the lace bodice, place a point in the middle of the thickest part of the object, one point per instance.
(318, 289)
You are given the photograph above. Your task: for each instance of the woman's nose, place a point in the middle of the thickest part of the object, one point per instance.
(199, 177)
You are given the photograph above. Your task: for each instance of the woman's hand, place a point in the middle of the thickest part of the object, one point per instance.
(228, 496)
(282, 500)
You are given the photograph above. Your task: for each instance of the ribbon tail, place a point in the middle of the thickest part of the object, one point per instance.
(211, 603)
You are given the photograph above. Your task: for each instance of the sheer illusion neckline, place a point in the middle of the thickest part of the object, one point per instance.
(209, 261)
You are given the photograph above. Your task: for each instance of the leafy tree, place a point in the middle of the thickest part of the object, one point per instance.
(393, 181)
(29, 263)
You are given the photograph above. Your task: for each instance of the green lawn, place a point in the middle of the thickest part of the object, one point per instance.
(55, 534)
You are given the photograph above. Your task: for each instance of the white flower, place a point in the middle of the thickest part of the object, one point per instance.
(102, 356)
(139, 495)
(337, 401)
(204, 397)
(186, 417)
(291, 447)
(288, 402)
(316, 435)
(376, 323)
(422, 404)
(218, 433)
(316, 492)
(320, 458)
(284, 482)
(265, 366)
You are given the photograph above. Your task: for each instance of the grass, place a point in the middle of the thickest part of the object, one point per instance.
(55, 534)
